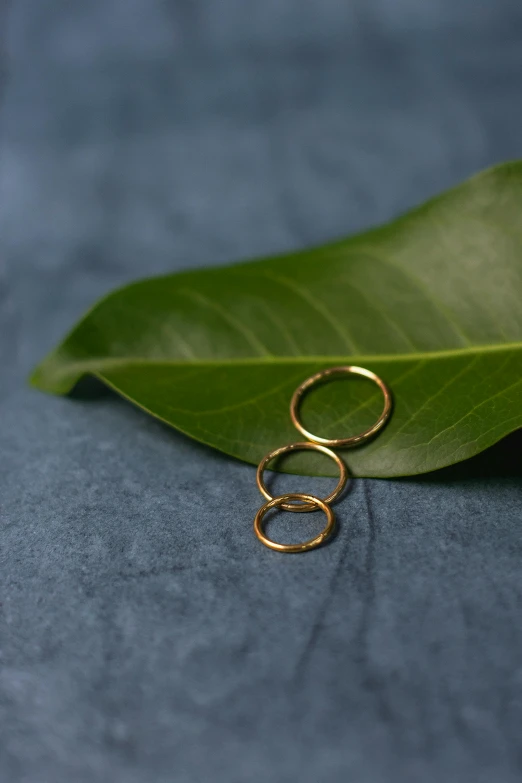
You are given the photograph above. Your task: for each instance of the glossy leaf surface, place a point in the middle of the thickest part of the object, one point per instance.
(431, 302)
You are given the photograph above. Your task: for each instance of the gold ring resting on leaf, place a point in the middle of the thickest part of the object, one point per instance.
(324, 375)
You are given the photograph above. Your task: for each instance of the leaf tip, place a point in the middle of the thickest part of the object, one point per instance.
(46, 377)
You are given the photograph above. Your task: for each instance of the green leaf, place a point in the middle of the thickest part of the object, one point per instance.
(431, 302)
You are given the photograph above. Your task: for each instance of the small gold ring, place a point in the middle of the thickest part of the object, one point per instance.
(325, 374)
(312, 543)
(297, 447)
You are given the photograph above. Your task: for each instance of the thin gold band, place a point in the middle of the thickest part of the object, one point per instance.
(325, 375)
(278, 502)
(343, 477)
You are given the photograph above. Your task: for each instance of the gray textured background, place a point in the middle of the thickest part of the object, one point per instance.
(145, 634)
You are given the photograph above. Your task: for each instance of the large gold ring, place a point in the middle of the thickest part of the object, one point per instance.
(278, 502)
(326, 374)
(297, 447)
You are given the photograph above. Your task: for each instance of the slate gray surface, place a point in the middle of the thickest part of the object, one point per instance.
(145, 635)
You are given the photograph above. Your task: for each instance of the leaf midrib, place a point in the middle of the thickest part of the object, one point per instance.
(104, 362)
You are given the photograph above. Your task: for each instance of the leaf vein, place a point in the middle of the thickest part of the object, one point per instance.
(316, 305)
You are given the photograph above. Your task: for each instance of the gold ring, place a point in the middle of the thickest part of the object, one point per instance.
(312, 543)
(297, 447)
(325, 374)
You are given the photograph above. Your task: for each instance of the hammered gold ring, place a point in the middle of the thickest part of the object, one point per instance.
(278, 502)
(343, 477)
(324, 375)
